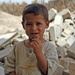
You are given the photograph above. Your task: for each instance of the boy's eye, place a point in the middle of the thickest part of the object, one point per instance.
(38, 23)
(28, 24)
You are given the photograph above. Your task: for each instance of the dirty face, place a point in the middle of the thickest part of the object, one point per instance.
(35, 25)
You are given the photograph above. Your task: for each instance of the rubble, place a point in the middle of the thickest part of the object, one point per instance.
(1, 70)
(52, 12)
(61, 33)
(71, 51)
(65, 13)
(5, 51)
(6, 37)
(66, 72)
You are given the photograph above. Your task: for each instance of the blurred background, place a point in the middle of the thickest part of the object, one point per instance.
(15, 7)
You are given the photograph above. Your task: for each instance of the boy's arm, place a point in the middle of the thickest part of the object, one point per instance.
(41, 59)
(47, 62)
(42, 63)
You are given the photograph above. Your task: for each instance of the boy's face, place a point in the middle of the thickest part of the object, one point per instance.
(35, 25)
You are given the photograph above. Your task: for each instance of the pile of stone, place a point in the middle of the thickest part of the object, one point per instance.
(62, 33)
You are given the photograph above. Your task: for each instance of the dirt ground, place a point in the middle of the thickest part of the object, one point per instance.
(9, 23)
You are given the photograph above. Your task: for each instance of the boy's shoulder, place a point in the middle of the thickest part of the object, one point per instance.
(49, 43)
(19, 44)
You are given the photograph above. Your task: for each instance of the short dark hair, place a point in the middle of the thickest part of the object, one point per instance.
(36, 9)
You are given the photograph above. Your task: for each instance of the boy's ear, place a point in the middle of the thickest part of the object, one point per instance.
(23, 24)
(47, 24)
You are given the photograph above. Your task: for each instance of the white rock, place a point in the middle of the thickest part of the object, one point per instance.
(58, 20)
(52, 12)
(1, 70)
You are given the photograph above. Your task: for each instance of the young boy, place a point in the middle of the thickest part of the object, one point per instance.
(34, 56)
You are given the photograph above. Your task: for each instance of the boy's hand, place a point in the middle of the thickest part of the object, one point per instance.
(42, 61)
(37, 45)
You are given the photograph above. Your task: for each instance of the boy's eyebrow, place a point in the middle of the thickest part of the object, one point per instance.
(28, 22)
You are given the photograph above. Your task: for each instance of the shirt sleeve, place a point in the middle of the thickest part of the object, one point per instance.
(52, 58)
(10, 62)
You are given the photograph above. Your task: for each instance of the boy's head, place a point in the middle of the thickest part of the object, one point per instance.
(36, 9)
(35, 20)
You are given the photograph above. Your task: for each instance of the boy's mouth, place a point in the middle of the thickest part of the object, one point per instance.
(34, 34)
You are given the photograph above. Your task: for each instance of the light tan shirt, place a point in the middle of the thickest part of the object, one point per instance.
(23, 61)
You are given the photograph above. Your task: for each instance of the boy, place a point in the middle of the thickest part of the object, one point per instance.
(34, 56)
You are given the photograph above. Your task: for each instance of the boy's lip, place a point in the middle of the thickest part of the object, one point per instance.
(34, 33)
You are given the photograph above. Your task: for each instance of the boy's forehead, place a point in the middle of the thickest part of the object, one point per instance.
(32, 15)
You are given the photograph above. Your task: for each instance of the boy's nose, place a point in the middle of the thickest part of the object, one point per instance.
(34, 27)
